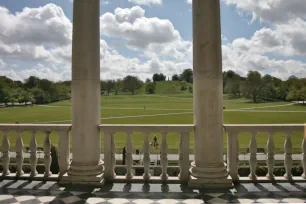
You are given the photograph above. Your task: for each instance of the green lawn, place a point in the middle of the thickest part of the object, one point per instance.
(127, 105)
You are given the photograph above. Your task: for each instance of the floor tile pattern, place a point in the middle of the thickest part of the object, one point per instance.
(50, 192)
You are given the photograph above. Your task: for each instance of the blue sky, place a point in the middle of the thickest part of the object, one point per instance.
(262, 35)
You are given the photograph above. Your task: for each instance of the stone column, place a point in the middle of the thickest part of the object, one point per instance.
(86, 166)
(208, 169)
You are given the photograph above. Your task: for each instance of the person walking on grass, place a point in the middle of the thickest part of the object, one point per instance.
(154, 142)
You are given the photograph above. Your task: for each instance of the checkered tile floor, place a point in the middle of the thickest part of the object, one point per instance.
(50, 192)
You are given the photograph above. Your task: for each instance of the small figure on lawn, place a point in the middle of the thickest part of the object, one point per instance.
(123, 156)
(154, 142)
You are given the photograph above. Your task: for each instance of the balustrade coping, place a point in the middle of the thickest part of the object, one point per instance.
(254, 128)
(164, 128)
(36, 127)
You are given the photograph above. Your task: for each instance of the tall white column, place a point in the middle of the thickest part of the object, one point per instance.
(86, 166)
(208, 169)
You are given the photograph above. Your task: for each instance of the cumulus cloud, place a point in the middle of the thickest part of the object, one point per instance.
(189, 1)
(38, 70)
(287, 39)
(146, 2)
(271, 10)
(138, 30)
(49, 24)
(115, 65)
(156, 38)
(244, 61)
(26, 35)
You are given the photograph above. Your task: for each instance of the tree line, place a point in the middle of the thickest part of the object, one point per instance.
(33, 90)
(264, 88)
(254, 86)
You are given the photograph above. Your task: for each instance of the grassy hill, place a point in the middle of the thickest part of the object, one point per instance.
(166, 88)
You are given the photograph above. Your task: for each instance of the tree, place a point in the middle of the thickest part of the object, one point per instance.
(118, 85)
(109, 85)
(175, 77)
(6, 95)
(148, 80)
(158, 77)
(150, 88)
(184, 85)
(254, 84)
(31, 82)
(102, 87)
(131, 83)
(187, 75)
(231, 83)
(297, 90)
(155, 77)
(40, 96)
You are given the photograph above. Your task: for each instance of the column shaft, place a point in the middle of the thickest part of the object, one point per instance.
(208, 169)
(86, 161)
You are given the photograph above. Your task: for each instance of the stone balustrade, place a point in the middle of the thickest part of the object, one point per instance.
(110, 151)
(233, 151)
(63, 147)
(183, 151)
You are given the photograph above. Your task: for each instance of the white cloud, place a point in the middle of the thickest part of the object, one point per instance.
(30, 35)
(189, 1)
(40, 71)
(287, 39)
(138, 30)
(156, 38)
(271, 10)
(146, 2)
(244, 61)
(49, 24)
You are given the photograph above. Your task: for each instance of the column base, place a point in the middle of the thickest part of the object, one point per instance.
(88, 180)
(84, 174)
(199, 183)
(81, 169)
(215, 176)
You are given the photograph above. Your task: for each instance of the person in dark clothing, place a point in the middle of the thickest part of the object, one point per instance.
(154, 142)
(54, 161)
(123, 156)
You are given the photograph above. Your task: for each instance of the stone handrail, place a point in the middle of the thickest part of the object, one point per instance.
(270, 129)
(64, 150)
(110, 149)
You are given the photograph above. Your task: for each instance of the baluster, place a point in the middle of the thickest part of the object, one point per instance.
(64, 152)
(5, 154)
(270, 156)
(304, 156)
(109, 156)
(47, 152)
(129, 157)
(19, 154)
(288, 156)
(113, 155)
(233, 152)
(33, 157)
(164, 157)
(180, 161)
(237, 156)
(146, 157)
(184, 157)
(253, 159)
